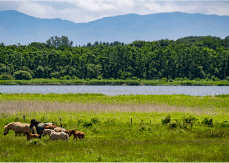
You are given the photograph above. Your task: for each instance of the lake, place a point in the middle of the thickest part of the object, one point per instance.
(117, 90)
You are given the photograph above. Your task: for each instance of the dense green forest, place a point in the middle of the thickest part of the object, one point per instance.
(202, 57)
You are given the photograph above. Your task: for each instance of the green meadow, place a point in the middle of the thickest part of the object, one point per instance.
(125, 128)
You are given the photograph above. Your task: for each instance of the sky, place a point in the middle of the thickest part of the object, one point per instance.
(80, 11)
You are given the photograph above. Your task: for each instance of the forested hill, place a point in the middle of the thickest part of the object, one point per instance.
(190, 57)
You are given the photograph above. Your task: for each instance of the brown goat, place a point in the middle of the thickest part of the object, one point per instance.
(31, 136)
(50, 127)
(76, 134)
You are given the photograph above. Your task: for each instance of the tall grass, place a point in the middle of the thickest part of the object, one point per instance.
(217, 102)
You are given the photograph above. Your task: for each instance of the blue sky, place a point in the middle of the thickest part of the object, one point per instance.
(89, 10)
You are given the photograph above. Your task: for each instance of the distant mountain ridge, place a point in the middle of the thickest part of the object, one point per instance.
(16, 27)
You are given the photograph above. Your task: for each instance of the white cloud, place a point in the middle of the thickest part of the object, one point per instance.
(89, 10)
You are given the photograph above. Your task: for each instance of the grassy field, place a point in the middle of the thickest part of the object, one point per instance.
(133, 128)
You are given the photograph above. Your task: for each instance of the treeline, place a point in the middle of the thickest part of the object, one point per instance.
(204, 57)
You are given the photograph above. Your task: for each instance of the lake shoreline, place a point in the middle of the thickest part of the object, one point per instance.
(116, 82)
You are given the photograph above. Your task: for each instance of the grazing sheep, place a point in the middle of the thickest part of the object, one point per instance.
(48, 132)
(59, 135)
(31, 136)
(60, 129)
(76, 134)
(18, 128)
(51, 127)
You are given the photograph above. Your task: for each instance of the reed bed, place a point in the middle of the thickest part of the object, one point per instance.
(13, 107)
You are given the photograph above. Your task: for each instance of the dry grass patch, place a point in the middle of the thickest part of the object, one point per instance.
(12, 107)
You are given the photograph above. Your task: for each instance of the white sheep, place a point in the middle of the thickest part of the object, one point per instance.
(59, 135)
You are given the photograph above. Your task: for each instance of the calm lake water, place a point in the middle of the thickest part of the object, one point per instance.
(117, 90)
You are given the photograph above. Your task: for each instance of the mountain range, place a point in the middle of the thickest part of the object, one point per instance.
(16, 27)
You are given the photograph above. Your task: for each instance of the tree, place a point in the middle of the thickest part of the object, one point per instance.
(22, 75)
(58, 41)
(227, 39)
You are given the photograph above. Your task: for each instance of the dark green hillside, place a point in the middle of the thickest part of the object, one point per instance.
(202, 57)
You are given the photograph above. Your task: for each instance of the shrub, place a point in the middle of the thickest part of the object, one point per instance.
(134, 78)
(166, 120)
(164, 79)
(6, 77)
(178, 79)
(207, 79)
(66, 77)
(87, 124)
(95, 120)
(99, 78)
(22, 75)
(224, 124)
(55, 75)
(173, 125)
(189, 120)
(144, 128)
(208, 122)
(75, 78)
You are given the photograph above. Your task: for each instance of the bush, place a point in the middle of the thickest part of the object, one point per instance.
(66, 77)
(22, 75)
(173, 125)
(95, 120)
(134, 78)
(87, 124)
(99, 78)
(164, 79)
(178, 79)
(189, 120)
(5, 77)
(208, 122)
(166, 120)
(75, 78)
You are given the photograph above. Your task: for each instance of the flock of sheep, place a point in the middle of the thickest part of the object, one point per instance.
(55, 132)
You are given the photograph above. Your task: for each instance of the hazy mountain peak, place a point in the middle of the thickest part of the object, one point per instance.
(16, 27)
